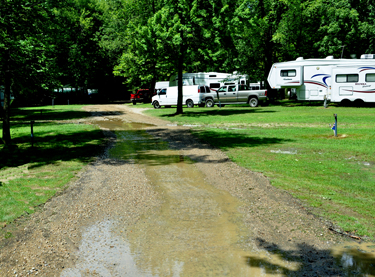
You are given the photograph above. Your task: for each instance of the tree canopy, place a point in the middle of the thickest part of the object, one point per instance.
(45, 44)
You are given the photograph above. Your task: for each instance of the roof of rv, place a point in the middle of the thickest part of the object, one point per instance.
(327, 61)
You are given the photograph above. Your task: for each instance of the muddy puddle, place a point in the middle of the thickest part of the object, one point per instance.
(197, 231)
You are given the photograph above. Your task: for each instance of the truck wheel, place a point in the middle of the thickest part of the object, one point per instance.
(156, 105)
(253, 102)
(190, 104)
(210, 103)
(134, 102)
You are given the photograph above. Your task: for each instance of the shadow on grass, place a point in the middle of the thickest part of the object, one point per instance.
(19, 114)
(226, 140)
(50, 148)
(218, 112)
(313, 261)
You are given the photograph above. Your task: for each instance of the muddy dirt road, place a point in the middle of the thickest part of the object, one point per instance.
(160, 203)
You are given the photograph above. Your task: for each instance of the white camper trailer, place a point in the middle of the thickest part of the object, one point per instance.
(336, 80)
(212, 79)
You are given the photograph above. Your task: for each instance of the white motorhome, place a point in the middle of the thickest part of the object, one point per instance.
(214, 80)
(192, 95)
(335, 80)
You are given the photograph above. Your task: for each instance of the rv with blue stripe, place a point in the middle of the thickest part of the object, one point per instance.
(343, 81)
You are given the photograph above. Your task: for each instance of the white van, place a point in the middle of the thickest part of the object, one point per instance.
(192, 95)
(159, 86)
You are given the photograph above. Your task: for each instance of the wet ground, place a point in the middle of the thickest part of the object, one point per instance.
(181, 208)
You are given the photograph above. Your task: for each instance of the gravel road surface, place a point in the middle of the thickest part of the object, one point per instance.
(158, 202)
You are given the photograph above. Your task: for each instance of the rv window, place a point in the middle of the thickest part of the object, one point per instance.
(346, 78)
(214, 85)
(370, 77)
(352, 77)
(288, 73)
(340, 78)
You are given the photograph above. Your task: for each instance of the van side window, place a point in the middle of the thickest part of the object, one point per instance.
(346, 78)
(288, 73)
(370, 77)
(163, 91)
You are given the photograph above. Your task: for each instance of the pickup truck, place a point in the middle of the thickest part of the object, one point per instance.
(141, 95)
(235, 94)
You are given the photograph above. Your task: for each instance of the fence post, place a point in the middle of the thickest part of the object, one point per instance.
(32, 132)
(335, 130)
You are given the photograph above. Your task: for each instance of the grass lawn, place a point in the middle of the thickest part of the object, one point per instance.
(294, 146)
(29, 176)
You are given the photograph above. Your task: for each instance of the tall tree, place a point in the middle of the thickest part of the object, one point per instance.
(24, 48)
(129, 36)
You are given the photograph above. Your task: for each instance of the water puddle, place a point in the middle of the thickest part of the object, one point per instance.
(101, 253)
(198, 230)
(357, 259)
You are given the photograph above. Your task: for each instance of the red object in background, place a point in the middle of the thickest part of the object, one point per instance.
(142, 95)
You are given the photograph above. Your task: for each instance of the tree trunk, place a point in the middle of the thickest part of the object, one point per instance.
(268, 52)
(179, 84)
(6, 108)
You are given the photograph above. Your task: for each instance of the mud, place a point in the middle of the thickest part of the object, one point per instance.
(161, 203)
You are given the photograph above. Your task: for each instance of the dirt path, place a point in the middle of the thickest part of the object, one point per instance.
(173, 207)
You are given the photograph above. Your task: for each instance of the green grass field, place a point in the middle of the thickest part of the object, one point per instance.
(294, 146)
(29, 176)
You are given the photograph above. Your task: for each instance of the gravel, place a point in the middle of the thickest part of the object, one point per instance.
(108, 191)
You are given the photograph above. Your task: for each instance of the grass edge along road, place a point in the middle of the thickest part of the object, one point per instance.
(294, 146)
(29, 176)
